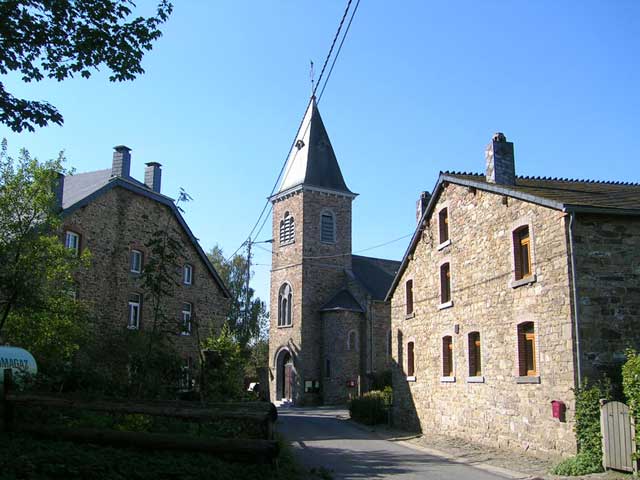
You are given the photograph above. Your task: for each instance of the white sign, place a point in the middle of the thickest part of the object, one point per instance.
(18, 360)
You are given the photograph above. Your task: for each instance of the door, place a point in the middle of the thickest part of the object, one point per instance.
(288, 379)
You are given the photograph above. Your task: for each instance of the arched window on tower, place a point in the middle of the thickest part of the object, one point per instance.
(285, 297)
(327, 227)
(287, 229)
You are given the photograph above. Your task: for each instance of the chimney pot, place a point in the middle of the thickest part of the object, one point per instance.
(421, 204)
(121, 165)
(153, 176)
(500, 160)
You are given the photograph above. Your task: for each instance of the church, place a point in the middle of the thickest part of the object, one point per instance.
(329, 335)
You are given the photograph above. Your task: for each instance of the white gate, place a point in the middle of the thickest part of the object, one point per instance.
(618, 436)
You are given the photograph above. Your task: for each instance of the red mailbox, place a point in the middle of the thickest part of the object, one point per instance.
(558, 409)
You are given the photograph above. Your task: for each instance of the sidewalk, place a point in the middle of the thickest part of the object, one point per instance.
(502, 462)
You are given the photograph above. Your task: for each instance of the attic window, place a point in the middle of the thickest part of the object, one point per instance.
(287, 229)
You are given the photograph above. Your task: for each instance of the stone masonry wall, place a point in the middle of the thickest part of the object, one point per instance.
(110, 227)
(498, 411)
(608, 278)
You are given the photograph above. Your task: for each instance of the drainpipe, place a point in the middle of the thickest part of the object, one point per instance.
(575, 298)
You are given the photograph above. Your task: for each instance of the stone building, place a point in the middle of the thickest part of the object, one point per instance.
(512, 291)
(114, 217)
(329, 321)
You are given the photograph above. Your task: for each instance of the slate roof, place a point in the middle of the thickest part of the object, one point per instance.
(343, 300)
(82, 188)
(375, 274)
(312, 161)
(563, 193)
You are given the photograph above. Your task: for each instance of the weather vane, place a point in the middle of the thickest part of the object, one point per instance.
(311, 75)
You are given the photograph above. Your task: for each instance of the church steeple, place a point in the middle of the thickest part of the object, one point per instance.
(312, 161)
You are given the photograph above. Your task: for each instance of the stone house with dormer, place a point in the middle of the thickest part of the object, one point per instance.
(114, 217)
(512, 291)
(329, 330)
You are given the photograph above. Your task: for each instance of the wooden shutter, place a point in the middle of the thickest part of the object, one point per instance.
(522, 354)
(474, 354)
(447, 360)
(410, 360)
(517, 255)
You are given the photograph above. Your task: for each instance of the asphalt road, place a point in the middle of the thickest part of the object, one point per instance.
(321, 437)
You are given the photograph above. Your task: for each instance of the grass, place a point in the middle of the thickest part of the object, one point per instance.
(25, 458)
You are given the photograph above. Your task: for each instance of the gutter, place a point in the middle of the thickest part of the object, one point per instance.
(576, 314)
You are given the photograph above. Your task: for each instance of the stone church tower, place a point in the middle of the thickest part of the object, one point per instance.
(311, 265)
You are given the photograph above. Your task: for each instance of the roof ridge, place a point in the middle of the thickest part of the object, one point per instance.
(577, 180)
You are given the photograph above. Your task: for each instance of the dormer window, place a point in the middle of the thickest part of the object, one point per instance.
(287, 229)
(327, 227)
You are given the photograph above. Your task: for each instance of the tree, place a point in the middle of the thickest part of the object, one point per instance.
(252, 326)
(62, 38)
(35, 267)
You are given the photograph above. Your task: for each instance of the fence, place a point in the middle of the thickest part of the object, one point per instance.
(251, 450)
(618, 436)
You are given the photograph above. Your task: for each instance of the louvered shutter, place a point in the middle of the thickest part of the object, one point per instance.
(522, 351)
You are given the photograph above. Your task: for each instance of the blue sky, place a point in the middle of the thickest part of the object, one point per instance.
(419, 88)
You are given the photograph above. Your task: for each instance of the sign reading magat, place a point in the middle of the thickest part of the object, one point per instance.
(17, 359)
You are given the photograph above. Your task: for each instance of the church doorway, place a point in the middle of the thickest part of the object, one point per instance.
(285, 380)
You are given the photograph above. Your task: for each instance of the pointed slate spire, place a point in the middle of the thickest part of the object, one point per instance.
(312, 161)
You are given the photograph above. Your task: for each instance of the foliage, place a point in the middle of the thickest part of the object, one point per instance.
(631, 387)
(581, 464)
(223, 371)
(258, 358)
(587, 428)
(40, 38)
(247, 328)
(380, 380)
(30, 459)
(35, 272)
(372, 407)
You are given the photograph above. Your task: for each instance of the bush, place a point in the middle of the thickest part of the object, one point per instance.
(371, 408)
(581, 464)
(631, 388)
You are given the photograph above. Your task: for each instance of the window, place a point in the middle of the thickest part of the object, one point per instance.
(327, 228)
(352, 340)
(287, 229)
(284, 306)
(443, 225)
(185, 326)
(327, 368)
(409, 294)
(410, 360)
(135, 261)
(527, 350)
(186, 377)
(475, 363)
(445, 283)
(72, 241)
(447, 356)
(522, 252)
(134, 311)
(187, 274)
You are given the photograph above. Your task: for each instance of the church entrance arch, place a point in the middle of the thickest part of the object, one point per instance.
(285, 375)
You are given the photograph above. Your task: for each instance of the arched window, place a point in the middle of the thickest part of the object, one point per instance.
(327, 227)
(285, 297)
(287, 229)
(352, 340)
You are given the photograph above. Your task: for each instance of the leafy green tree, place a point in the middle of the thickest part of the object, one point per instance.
(35, 267)
(224, 363)
(62, 38)
(252, 326)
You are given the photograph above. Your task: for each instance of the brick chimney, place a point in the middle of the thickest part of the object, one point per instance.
(121, 165)
(501, 167)
(153, 176)
(421, 205)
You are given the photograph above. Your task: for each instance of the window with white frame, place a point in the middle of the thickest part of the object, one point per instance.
(185, 327)
(443, 225)
(447, 356)
(287, 229)
(135, 305)
(475, 359)
(411, 361)
(285, 297)
(445, 283)
(135, 261)
(187, 274)
(327, 227)
(72, 241)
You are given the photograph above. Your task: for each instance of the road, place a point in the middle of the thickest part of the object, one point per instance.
(321, 437)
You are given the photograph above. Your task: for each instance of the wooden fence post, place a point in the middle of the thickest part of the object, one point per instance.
(7, 406)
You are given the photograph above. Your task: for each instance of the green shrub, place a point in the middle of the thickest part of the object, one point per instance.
(581, 464)
(371, 408)
(631, 388)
